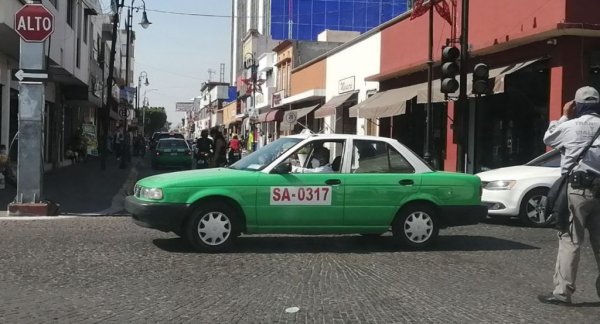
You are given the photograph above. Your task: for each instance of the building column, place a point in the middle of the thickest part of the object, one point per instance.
(568, 72)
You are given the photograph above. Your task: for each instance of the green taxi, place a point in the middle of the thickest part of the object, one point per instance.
(358, 184)
(172, 152)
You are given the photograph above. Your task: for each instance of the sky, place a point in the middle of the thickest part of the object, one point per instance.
(177, 50)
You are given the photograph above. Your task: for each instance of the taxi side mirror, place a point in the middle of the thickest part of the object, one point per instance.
(283, 168)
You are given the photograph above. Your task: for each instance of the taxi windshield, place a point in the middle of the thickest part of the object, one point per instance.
(265, 155)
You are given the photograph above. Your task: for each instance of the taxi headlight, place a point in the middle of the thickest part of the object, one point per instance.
(151, 193)
(500, 185)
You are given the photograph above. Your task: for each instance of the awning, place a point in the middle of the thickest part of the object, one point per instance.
(300, 113)
(387, 103)
(498, 74)
(269, 116)
(330, 106)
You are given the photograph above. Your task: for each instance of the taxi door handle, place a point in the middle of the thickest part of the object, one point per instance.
(333, 181)
(406, 182)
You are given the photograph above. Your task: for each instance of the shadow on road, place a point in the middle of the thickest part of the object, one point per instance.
(347, 244)
(587, 304)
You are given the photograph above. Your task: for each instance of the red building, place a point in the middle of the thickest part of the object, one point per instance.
(539, 53)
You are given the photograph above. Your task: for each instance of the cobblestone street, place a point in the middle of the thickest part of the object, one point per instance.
(106, 269)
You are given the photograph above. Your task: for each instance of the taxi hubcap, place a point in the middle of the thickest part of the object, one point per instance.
(535, 209)
(418, 227)
(214, 228)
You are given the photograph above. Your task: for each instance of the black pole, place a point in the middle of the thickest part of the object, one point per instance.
(125, 144)
(108, 85)
(427, 152)
(463, 100)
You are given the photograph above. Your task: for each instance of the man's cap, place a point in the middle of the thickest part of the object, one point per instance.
(587, 95)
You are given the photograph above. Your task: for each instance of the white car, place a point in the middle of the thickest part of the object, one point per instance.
(520, 191)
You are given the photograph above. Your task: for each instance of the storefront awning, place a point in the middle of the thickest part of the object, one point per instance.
(497, 74)
(330, 106)
(269, 116)
(300, 113)
(386, 103)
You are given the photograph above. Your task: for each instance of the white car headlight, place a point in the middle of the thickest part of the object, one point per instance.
(151, 193)
(500, 185)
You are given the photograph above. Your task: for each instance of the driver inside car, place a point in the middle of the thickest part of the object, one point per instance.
(319, 163)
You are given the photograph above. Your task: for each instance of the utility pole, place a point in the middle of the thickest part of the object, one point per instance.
(109, 84)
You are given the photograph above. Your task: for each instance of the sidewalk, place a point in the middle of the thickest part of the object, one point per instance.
(83, 188)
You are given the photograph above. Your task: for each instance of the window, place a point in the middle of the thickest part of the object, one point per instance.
(86, 22)
(378, 157)
(54, 3)
(70, 12)
(318, 157)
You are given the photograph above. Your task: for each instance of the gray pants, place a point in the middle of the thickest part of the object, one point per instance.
(585, 213)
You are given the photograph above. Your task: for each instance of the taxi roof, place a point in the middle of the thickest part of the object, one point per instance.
(338, 136)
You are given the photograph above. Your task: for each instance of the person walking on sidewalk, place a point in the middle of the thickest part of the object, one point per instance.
(119, 141)
(571, 135)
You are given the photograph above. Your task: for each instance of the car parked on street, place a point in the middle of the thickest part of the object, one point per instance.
(368, 185)
(172, 152)
(157, 136)
(521, 191)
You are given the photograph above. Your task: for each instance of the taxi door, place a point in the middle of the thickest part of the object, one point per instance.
(379, 179)
(311, 202)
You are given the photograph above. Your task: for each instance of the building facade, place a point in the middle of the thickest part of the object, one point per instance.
(306, 19)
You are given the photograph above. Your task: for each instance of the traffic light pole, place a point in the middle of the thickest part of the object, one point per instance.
(463, 103)
(427, 148)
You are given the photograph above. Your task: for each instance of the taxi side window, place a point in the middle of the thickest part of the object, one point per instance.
(321, 156)
(378, 157)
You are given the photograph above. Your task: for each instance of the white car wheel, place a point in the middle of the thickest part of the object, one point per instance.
(531, 211)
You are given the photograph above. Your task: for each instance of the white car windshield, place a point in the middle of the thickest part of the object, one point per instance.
(261, 158)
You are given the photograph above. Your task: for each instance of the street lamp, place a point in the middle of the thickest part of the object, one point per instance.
(144, 75)
(145, 104)
(145, 23)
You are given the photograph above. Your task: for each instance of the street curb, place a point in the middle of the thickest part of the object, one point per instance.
(118, 206)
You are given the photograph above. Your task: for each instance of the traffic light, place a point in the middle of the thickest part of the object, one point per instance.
(450, 69)
(481, 79)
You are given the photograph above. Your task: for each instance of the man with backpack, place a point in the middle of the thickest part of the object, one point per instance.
(574, 134)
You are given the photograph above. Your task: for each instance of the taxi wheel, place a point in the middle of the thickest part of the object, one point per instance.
(416, 226)
(212, 228)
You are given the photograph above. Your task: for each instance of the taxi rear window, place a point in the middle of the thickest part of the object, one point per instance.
(172, 143)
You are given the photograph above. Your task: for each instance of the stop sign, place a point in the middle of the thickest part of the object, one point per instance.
(34, 23)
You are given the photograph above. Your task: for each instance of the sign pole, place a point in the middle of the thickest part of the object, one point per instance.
(30, 167)
(31, 100)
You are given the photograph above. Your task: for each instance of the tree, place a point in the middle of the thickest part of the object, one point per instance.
(155, 119)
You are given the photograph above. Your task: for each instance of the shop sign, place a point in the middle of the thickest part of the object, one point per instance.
(277, 97)
(346, 84)
(184, 106)
(89, 134)
(260, 98)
